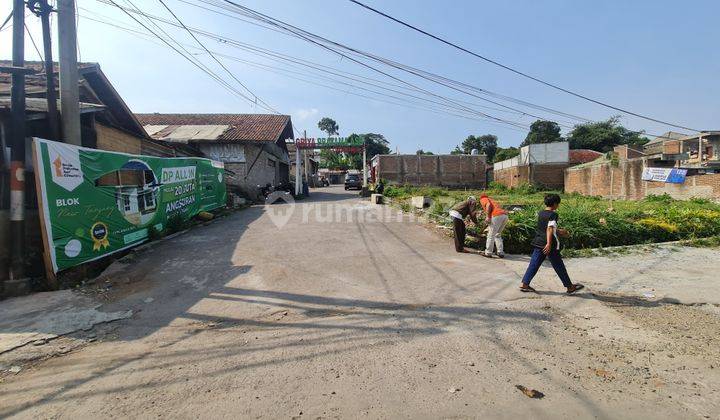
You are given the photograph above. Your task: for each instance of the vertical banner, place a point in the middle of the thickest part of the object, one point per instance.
(94, 203)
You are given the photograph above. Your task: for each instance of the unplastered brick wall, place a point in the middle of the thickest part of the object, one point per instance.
(624, 181)
(513, 176)
(549, 175)
(434, 170)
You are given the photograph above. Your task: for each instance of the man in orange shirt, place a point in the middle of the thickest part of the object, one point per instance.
(496, 218)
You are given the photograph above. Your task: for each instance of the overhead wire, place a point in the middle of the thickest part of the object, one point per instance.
(463, 107)
(523, 74)
(283, 71)
(200, 66)
(205, 5)
(232, 75)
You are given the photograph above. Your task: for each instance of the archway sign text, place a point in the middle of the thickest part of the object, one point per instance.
(352, 144)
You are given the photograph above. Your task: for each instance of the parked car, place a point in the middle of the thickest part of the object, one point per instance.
(353, 181)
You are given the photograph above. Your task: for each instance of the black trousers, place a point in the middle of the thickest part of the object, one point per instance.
(459, 230)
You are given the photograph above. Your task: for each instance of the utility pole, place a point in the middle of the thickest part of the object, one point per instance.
(69, 92)
(364, 163)
(17, 139)
(305, 161)
(42, 9)
(298, 183)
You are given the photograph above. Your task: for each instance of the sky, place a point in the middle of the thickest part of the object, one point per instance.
(654, 57)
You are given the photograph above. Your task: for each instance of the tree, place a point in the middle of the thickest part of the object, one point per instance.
(505, 154)
(329, 126)
(422, 152)
(543, 132)
(376, 144)
(486, 144)
(603, 136)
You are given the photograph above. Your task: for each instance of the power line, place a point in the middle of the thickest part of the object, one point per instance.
(37, 50)
(204, 70)
(283, 72)
(414, 71)
(304, 35)
(215, 58)
(552, 85)
(456, 104)
(457, 86)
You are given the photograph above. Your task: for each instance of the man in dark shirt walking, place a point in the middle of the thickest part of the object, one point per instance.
(547, 244)
(467, 208)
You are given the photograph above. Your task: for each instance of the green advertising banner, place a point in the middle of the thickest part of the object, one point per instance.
(94, 202)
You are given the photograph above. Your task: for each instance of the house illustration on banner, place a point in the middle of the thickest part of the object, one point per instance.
(136, 191)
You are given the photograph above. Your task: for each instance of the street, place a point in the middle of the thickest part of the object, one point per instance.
(342, 310)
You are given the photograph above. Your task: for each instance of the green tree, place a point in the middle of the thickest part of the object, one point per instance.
(376, 144)
(422, 152)
(603, 136)
(505, 153)
(456, 151)
(485, 144)
(329, 126)
(542, 131)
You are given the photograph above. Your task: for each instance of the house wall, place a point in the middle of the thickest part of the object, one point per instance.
(548, 175)
(114, 140)
(257, 169)
(624, 181)
(428, 170)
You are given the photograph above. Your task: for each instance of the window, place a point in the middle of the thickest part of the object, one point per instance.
(271, 163)
(126, 201)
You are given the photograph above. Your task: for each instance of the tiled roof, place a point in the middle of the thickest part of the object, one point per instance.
(583, 155)
(241, 127)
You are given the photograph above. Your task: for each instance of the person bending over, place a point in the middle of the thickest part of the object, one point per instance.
(467, 208)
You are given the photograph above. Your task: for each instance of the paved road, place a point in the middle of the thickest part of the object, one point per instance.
(344, 311)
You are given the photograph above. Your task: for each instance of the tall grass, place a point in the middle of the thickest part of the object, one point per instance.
(592, 221)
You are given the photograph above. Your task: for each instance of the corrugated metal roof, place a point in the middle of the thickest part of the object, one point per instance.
(186, 133)
(240, 127)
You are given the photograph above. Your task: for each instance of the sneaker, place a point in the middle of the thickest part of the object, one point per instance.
(486, 255)
(501, 255)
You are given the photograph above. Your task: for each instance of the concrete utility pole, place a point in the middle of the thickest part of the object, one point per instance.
(69, 92)
(42, 9)
(305, 161)
(364, 163)
(17, 139)
(298, 183)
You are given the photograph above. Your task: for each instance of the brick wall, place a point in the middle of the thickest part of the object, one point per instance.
(547, 175)
(440, 170)
(624, 181)
(513, 176)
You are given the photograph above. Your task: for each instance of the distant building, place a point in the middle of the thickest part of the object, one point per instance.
(252, 146)
(682, 166)
(542, 165)
(454, 171)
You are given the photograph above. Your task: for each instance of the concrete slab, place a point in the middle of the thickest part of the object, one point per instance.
(44, 316)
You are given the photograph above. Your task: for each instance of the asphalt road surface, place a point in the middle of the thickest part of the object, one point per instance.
(332, 308)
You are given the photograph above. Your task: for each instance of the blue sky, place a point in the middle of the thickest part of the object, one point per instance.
(654, 57)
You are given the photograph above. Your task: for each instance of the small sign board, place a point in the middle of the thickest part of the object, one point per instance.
(668, 175)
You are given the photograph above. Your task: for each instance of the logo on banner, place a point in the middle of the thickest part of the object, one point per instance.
(99, 234)
(65, 166)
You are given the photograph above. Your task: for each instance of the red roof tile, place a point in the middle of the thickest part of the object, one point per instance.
(243, 127)
(583, 155)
